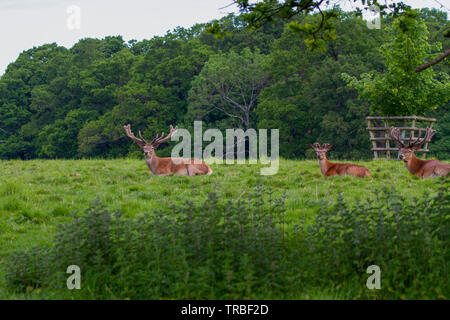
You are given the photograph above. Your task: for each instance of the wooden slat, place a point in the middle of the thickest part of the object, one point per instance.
(378, 140)
(413, 125)
(401, 118)
(425, 146)
(396, 149)
(401, 128)
(386, 138)
(403, 132)
(374, 144)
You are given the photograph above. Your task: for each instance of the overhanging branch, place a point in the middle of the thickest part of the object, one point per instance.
(434, 61)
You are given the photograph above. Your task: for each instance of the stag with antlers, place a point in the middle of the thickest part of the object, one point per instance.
(166, 166)
(342, 169)
(418, 167)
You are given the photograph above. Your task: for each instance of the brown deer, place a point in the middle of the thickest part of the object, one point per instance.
(166, 166)
(329, 169)
(420, 168)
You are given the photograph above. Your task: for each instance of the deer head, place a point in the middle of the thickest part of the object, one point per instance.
(321, 151)
(406, 151)
(149, 148)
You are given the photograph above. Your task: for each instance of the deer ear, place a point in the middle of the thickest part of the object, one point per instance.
(327, 146)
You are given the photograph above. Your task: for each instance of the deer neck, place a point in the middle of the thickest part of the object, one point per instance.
(324, 165)
(152, 163)
(414, 164)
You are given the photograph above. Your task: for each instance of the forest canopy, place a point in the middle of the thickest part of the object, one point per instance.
(72, 103)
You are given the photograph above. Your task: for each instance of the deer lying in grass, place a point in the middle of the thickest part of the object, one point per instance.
(165, 166)
(420, 168)
(329, 169)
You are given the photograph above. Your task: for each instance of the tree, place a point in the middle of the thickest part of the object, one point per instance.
(308, 101)
(439, 21)
(59, 139)
(431, 63)
(258, 13)
(239, 36)
(69, 103)
(152, 97)
(229, 83)
(400, 90)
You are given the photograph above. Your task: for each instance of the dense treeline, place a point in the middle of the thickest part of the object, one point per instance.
(70, 103)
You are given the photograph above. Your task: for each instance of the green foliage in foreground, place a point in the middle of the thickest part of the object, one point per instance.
(220, 236)
(242, 249)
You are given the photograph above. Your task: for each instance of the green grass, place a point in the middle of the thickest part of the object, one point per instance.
(36, 196)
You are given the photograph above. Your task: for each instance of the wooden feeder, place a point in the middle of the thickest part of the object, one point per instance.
(410, 127)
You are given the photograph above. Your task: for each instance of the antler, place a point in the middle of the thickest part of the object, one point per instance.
(395, 134)
(158, 140)
(416, 143)
(141, 142)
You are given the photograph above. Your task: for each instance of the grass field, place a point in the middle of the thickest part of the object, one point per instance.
(36, 196)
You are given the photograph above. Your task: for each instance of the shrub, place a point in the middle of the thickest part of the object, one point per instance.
(244, 249)
(29, 268)
(407, 240)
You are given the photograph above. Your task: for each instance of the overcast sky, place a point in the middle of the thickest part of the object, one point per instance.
(28, 23)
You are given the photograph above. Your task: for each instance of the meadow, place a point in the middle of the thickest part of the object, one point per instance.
(38, 195)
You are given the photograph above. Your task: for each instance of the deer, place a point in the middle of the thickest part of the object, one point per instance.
(165, 166)
(418, 167)
(329, 169)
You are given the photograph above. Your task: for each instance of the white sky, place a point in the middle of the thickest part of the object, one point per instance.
(28, 23)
